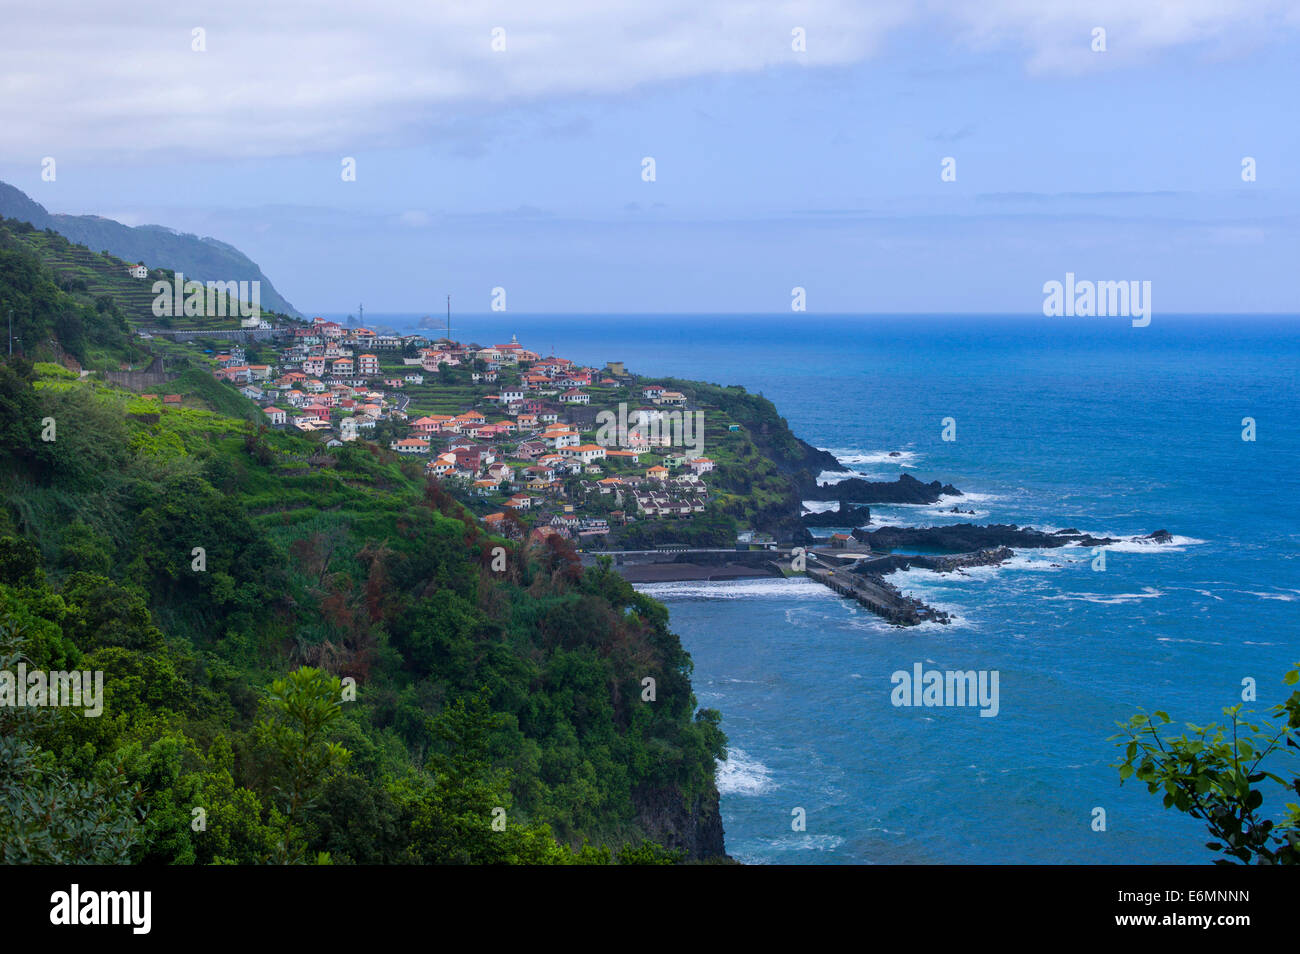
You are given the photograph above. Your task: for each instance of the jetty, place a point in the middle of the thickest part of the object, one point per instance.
(854, 572)
(883, 599)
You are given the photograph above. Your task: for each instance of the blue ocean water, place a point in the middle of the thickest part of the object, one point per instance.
(1083, 422)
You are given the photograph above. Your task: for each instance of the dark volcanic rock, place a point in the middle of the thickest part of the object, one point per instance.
(939, 564)
(666, 819)
(880, 596)
(847, 516)
(966, 537)
(905, 490)
(816, 460)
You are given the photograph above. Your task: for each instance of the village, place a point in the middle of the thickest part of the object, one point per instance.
(511, 433)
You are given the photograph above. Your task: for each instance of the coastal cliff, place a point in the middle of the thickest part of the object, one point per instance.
(693, 827)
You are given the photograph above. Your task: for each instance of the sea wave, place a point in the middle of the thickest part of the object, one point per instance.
(850, 456)
(924, 515)
(1136, 543)
(829, 478)
(1111, 599)
(808, 842)
(791, 588)
(1286, 597)
(741, 775)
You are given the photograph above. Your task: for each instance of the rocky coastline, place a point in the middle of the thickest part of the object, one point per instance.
(904, 490)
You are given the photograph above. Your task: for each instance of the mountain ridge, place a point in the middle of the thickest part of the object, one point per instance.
(202, 258)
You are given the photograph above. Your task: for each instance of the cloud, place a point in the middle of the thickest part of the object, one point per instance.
(83, 79)
(965, 132)
(1056, 35)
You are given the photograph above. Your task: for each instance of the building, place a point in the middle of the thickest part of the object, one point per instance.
(587, 453)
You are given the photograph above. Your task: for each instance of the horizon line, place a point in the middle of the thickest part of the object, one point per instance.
(827, 314)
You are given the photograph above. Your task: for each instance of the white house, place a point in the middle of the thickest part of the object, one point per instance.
(587, 453)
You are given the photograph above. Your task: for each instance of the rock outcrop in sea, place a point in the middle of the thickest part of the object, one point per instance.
(967, 537)
(847, 516)
(905, 490)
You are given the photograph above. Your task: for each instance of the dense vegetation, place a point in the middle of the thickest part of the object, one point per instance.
(308, 654)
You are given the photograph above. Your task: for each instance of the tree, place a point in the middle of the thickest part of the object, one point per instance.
(1212, 773)
(303, 706)
(48, 815)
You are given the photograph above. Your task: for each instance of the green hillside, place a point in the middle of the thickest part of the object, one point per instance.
(315, 650)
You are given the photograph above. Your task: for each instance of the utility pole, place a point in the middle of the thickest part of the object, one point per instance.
(449, 318)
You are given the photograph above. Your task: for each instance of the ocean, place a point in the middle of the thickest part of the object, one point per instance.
(1059, 422)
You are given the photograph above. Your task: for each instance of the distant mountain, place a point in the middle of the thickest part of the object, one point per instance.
(203, 259)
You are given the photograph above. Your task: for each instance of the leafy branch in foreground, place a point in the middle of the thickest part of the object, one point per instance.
(1212, 772)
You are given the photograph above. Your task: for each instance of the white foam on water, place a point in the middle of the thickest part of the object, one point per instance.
(972, 496)
(741, 775)
(808, 842)
(850, 456)
(924, 515)
(829, 478)
(785, 588)
(1111, 599)
(1138, 544)
(1133, 544)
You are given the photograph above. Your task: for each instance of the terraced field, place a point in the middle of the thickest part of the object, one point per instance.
(107, 275)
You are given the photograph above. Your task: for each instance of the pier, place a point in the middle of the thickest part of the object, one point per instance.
(883, 599)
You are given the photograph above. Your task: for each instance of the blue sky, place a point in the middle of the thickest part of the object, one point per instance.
(773, 168)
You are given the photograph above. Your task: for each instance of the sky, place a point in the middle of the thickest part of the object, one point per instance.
(502, 145)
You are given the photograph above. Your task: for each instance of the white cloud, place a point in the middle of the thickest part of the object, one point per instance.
(85, 79)
(1056, 35)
